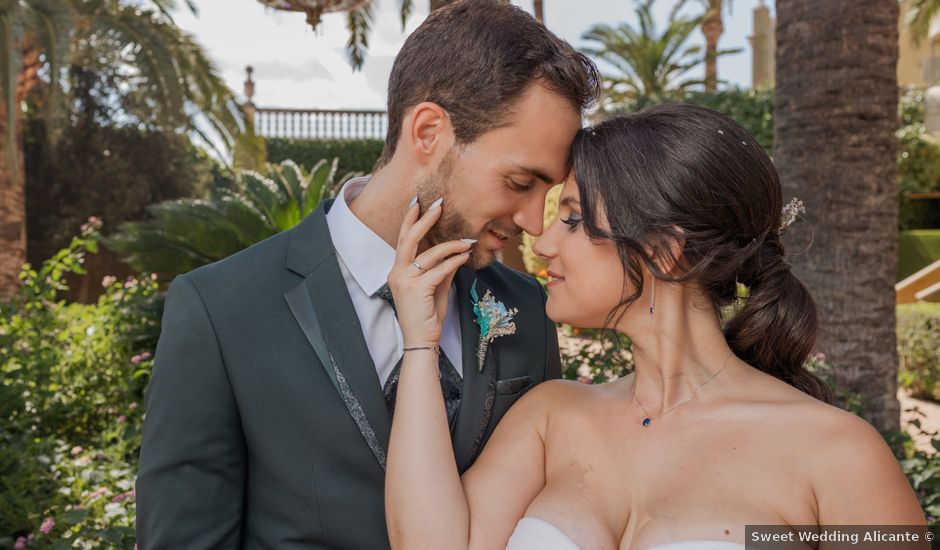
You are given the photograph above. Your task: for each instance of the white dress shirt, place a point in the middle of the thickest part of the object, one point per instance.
(365, 261)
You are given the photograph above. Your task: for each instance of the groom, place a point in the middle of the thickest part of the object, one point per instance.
(270, 405)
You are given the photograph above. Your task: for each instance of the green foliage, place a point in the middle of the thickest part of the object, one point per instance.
(911, 107)
(73, 376)
(918, 332)
(920, 467)
(649, 64)
(752, 109)
(187, 233)
(359, 24)
(156, 74)
(917, 249)
(918, 165)
(595, 356)
(123, 169)
(920, 13)
(354, 155)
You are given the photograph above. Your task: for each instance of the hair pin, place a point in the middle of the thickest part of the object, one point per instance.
(790, 212)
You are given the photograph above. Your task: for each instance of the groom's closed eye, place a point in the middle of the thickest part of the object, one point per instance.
(534, 174)
(519, 187)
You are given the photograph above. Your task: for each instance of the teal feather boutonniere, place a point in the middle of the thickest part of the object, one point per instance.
(494, 319)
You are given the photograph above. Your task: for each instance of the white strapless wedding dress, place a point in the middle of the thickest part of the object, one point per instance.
(536, 534)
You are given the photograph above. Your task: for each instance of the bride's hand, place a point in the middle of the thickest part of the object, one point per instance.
(420, 284)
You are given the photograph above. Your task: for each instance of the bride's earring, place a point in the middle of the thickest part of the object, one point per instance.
(653, 297)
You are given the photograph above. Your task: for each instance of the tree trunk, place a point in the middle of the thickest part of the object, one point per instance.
(12, 210)
(712, 27)
(13, 182)
(835, 118)
(539, 10)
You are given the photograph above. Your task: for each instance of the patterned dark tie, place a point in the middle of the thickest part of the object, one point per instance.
(451, 382)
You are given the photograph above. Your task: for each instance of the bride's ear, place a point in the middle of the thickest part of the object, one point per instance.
(668, 255)
(428, 133)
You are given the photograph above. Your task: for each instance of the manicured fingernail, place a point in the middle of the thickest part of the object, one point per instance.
(413, 202)
(469, 241)
(436, 204)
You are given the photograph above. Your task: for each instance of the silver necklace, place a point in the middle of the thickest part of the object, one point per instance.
(649, 418)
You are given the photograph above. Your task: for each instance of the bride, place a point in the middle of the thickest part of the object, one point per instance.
(718, 427)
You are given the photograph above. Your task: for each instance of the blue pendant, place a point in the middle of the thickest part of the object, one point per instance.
(646, 421)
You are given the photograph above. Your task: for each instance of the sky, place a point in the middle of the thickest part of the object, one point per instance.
(297, 66)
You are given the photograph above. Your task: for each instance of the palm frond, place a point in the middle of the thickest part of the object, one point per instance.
(359, 24)
(181, 84)
(184, 234)
(649, 63)
(407, 8)
(167, 7)
(919, 16)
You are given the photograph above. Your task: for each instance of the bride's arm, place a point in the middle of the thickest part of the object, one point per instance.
(427, 503)
(857, 480)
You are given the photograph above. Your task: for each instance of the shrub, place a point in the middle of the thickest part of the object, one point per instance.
(918, 330)
(919, 466)
(918, 165)
(354, 155)
(594, 356)
(73, 377)
(752, 109)
(122, 170)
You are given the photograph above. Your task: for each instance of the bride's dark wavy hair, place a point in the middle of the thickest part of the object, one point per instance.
(679, 171)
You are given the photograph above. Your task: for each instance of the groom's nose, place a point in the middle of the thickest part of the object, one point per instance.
(531, 215)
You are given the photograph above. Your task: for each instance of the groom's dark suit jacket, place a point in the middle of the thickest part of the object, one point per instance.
(266, 426)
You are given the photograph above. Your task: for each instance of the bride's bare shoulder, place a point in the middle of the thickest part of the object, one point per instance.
(568, 399)
(562, 390)
(553, 396)
(550, 392)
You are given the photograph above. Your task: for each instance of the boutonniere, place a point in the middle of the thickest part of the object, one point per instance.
(494, 320)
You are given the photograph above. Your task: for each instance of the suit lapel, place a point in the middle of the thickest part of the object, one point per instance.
(479, 388)
(323, 309)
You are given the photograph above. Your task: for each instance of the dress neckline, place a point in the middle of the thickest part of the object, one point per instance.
(675, 545)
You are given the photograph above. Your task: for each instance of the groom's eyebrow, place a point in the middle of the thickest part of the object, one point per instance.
(536, 173)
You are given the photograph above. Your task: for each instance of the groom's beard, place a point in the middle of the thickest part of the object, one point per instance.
(452, 225)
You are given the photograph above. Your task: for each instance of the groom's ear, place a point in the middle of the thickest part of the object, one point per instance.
(428, 132)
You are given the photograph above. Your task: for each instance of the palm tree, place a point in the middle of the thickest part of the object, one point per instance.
(651, 64)
(712, 27)
(835, 148)
(167, 80)
(184, 234)
(919, 16)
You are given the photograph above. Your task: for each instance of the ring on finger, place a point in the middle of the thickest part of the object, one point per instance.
(416, 264)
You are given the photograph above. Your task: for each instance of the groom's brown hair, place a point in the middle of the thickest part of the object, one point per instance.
(475, 58)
